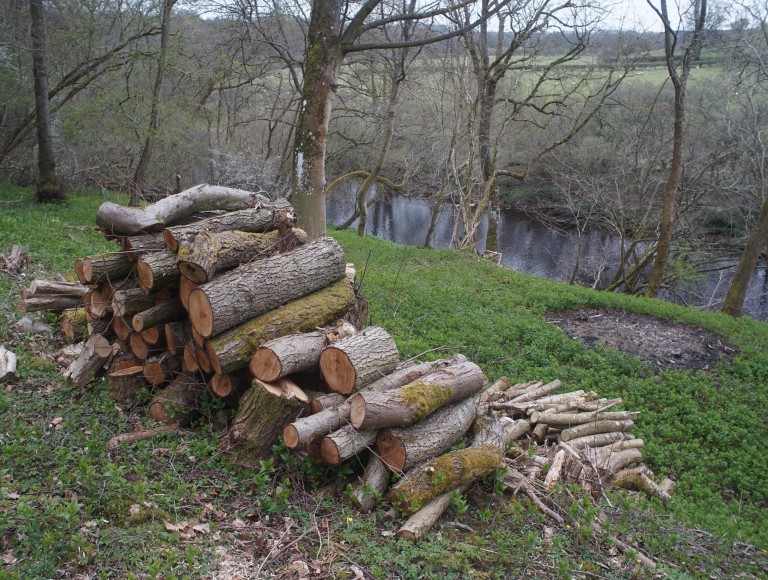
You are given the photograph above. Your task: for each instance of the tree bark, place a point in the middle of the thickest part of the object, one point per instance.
(595, 428)
(262, 413)
(160, 369)
(179, 401)
(358, 360)
(105, 267)
(570, 419)
(53, 302)
(402, 449)
(347, 442)
(596, 440)
(49, 187)
(8, 364)
(74, 324)
(129, 221)
(413, 402)
(262, 218)
(426, 517)
(177, 334)
(131, 301)
(232, 349)
(136, 246)
(288, 354)
(125, 381)
(94, 356)
(255, 288)
(49, 287)
(325, 401)
(157, 270)
(372, 485)
(160, 314)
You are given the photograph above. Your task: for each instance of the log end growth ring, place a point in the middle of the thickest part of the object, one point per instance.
(291, 437)
(391, 450)
(357, 410)
(145, 276)
(329, 452)
(265, 365)
(337, 370)
(201, 312)
(221, 385)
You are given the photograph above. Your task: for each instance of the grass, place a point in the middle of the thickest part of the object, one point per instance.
(171, 508)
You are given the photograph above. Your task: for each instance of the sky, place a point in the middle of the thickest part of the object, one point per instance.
(636, 14)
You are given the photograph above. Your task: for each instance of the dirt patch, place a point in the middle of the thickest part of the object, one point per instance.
(663, 343)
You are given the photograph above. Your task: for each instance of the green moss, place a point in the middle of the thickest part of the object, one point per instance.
(425, 398)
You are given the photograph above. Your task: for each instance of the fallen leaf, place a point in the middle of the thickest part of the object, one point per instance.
(8, 558)
(13, 495)
(175, 527)
(301, 568)
(57, 421)
(135, 510)
(357, 572)
(238, 523)
(202, 528)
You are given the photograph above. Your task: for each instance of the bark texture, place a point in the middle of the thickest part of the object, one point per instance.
(179, 401)
(157, 270)
(288, 354)
(160, 314)
(347, 442)
(95, 355)
(104, 267)
(372, 485)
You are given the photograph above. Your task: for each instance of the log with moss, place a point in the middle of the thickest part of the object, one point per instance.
(157, 270)
(179, 402)
(263, 285)
(402, 449)
(128, 221)
(262, 413)
(308, 429)
(212, 252)
(415, 401)
(232, 349)
(345, 443)
(358, 360)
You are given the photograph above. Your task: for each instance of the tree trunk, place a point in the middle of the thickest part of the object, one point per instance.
(131, 301)
(49, 187)
(402, 449)
(262, 413)
(345, 443)
(322, 64)
(154, 112)
(211, 253)
(54, 302)
(232, 349)
(358, 360)
(160, 314)
(255, 288)
(157, 270)
(411, 403)
(262, 218)
(179, 401)
(104, 267)
(756, 244)
(94, 356)
(129, 221)
(136, 246)
(48, 287)
(288, 354)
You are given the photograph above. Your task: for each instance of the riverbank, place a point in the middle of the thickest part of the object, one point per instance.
(80, 509)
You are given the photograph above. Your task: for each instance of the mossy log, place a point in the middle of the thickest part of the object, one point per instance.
(263, 285)
(129, 221)
(411, 403)
(94, 356)
(177, 334)
(74, 324)
(595, 428)
(371, 485)
(402, 449)
(161, 368)
(136, 246)
(157, 270)
(288, 354)
(358, 360)
(257, 219)
(262, 413)
(337, 447)
(571, 419)
(159, 314)
(637, 480)
(212, 252)
(102, 267)
(179, 402)
(313, 427)
(232, 349)
(130, 301)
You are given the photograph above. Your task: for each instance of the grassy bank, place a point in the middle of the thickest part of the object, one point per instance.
(69, 506)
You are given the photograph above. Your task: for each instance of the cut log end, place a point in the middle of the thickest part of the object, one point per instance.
(221, 385)
(144, 276)
(391, 450)
(357, 410)
(170, 241)
(201, 312)
(265, 365)
(329, 452)
(291, 437)
(193, 272)
(338, 370)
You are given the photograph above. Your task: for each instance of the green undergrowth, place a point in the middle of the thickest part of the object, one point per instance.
(170, 507)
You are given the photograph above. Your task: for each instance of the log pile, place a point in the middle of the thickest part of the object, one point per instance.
(239, 305)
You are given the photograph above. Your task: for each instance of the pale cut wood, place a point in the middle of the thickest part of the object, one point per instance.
(121, 327)
(47, 287)
(139, 347)
(256, 219)
(203, 361)
(130, 221)
(626, 444)
(539, 432)
(595, 428)
(288, 354)
(232, 349)
(157, 270)
(185, 289)
(262, 413)
(538, 392)
(153, 337)
(161, 368)
(308, 429)
(177, 334)
(102, 267)
(402, 449)
(372, 485)
(358, 360)
(597, 440)
(325, 401)
(231, 384)
(413, 402)
(555, 470)
(514, 429)
(611, 462)
(571, 419)
(263, 285)
(144, 435)
(422, 521)
(8, 364)
(96, 353)
(189, 358)
(79, 271)
(179, 402)
(52, 302)
(337, 447)
(159, 314)
(636, 479)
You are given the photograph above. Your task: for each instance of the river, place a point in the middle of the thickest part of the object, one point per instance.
(529, 246)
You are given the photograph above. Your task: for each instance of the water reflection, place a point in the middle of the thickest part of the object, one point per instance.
(529, 246)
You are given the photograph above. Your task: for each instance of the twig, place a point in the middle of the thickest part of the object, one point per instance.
(115, 441)
(437, 348)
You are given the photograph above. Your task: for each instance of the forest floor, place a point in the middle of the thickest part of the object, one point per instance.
(665, 344)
